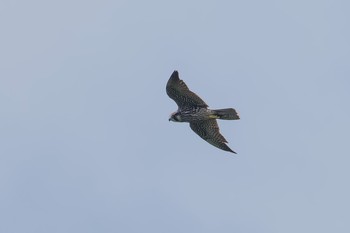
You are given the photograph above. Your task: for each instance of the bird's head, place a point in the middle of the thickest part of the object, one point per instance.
(175, 116)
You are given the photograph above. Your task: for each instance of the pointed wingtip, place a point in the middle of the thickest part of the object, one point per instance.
(232, 151)
(228, 149)
(174, 75)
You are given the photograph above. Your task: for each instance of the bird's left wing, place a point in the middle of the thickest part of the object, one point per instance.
(179, 92)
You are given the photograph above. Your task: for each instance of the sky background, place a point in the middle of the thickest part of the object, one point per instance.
(85, 141)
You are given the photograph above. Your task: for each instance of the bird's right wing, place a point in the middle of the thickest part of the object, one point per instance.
(209, 131)
(179, 92)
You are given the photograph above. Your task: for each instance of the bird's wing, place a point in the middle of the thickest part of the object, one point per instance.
(179, 92)
(209, 131)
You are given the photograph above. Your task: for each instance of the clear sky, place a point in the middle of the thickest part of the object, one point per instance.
(85, 141)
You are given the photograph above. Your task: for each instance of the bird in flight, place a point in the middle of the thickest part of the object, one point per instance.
(192, 109)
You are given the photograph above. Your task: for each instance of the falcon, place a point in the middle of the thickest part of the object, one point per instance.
(192, 109)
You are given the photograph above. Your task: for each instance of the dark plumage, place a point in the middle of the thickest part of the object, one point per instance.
(192, 109)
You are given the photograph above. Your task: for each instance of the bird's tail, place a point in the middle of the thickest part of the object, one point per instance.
(226, 114)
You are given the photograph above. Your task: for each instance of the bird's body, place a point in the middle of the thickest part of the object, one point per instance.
(193, 114)
(192, 109)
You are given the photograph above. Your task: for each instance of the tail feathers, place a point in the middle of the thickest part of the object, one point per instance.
(226, 114)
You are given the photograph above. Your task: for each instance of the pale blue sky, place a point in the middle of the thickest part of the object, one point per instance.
(85, 142)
